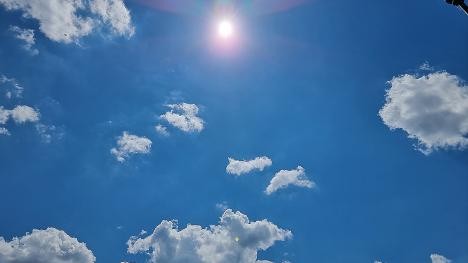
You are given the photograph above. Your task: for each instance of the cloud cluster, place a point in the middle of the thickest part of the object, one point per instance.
(49, 132)
(45, 246)
(234, 240)
(128, 144)
(184, 117)
(67, 21)
(285, 178)
(27, 36)
(237, 167)
(433, 109)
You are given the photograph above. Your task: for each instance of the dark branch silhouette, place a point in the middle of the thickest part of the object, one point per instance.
(460, 3)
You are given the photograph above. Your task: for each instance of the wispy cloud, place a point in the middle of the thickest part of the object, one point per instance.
(27, 36)
(162, 130)
(11, 87)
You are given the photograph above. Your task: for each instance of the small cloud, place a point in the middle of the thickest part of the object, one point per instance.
(436, 258)
(223, 206)
(237, 167)
(184, 117)
(4, 115)
(162, 130)
(4, 131)
(128, 144)
(119, 227)
(426, 67)
(27, 36)
(285, 178)
(10, 87)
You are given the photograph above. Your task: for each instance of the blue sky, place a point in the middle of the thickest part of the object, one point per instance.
(304, 85)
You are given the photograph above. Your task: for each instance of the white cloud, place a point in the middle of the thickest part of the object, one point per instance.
(4, 131)
(27, 36)
(115, 14)
(439, 259)
(68, 20)
(4, 115)
(426, 66)
(234, 240)
(11, 87)
(242, 167)
(45, 246)
(162, 130)
(128, 144)
(184, 117)
(285, 178)
(433, 109)
(223, 206)
(22, 113)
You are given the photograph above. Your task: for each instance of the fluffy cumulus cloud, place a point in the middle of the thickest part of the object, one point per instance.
(235, 239)
(128, 144)
(45, 246)
(432, 109)
(27, 36)
(285, 178)
(184, 117)
(22, 113)
(237, 167)
(439, 259)
(68, 20)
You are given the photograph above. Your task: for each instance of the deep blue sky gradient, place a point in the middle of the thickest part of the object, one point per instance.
(305, 90)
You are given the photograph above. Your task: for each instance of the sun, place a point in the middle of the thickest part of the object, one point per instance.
(225, 28)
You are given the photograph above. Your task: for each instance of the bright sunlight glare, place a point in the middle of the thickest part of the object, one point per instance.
(225, 28)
